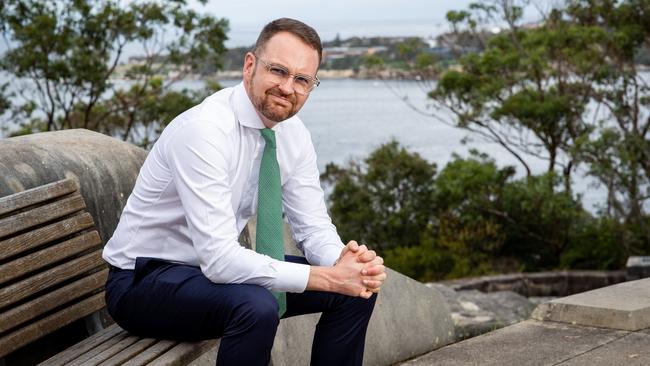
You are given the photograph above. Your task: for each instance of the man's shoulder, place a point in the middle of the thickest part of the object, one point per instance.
(213, 117)
(215, 111)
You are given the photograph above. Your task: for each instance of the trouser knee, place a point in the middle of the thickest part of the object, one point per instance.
(259, 312)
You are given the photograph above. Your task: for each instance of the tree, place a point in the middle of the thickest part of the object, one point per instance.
(385, 202)
(566, 90)
(472, 218)
(64, 56)
(617, 153)
(529, 90)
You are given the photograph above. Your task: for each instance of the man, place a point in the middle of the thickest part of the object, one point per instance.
(177, 269)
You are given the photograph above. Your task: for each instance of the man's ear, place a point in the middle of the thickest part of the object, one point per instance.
(249, 65)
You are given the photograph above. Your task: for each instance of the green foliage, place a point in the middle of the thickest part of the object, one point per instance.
(472, 218)
(595, 245)
(423, 262)
(67, 54)
(384, 202)
(372, 61)
(568, 91)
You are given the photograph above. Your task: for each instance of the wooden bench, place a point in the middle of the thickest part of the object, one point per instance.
(52, 274)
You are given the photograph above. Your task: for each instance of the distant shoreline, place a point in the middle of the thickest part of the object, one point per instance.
(362, 75)
(325, 74)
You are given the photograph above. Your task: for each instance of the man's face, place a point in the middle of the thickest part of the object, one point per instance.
(278, 101)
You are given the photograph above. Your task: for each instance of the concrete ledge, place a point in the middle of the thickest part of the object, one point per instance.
(551, 283)
(410, 319)
(623, 306)
(106, 169)
(532, 343)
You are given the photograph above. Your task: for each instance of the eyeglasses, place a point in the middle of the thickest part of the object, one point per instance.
(302, 84)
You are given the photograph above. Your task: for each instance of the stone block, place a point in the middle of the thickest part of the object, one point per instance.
(622, 306)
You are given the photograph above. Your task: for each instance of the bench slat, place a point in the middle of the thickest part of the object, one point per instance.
(54, 299)
(32, 196)
(109, 352)
(40, 215)
(30, 333)
(18, 291)
(83, 360)
(102, 337)
(184, 353)
(130, 352)
(32, 262)
(35, 238)
(151, 353)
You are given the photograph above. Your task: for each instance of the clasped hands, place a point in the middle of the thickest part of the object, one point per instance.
(363, 270)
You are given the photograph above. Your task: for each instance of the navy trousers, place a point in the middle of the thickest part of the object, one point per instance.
(166, 300)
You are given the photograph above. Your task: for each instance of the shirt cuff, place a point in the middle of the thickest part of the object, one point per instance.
(330, 254)
(291, 277)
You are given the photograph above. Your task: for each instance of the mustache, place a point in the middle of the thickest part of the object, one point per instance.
(278, 93)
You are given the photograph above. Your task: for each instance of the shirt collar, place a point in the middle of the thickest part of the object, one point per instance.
(245, 110)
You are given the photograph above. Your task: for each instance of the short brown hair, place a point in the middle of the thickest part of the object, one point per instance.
(299, 29)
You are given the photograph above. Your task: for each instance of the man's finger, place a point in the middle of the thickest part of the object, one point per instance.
(380, 277)
(373, 270)
(367, 256)
(365, 294)
(352, 245)
(370, 284)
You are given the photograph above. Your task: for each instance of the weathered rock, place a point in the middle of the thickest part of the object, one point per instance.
(106, 169)
(605, 327)
(551, 283)
(637, 267)
(475, 312)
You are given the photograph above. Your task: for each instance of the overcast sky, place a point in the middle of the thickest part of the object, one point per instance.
(345, 17)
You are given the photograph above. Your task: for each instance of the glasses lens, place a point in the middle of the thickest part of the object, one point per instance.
(302, 84)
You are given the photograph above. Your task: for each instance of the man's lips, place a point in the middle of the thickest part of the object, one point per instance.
(282, 100)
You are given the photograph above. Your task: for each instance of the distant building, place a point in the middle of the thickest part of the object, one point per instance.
(333, 53)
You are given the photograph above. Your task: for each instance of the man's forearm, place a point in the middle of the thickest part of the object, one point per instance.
(344, 278)
(320, 279)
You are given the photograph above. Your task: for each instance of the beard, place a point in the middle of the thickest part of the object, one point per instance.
(267, 106)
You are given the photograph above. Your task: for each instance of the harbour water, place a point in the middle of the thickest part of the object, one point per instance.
(349, 118)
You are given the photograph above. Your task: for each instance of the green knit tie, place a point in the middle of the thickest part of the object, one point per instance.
(268, 239)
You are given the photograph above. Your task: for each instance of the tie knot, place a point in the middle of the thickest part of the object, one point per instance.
(269, 136)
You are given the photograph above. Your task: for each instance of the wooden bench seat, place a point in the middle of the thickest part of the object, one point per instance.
(52, 274)
(115, 346)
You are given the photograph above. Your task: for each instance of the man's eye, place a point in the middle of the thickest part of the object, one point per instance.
(303, 80)
(276, 70)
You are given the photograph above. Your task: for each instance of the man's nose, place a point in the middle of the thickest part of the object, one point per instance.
(286, 85)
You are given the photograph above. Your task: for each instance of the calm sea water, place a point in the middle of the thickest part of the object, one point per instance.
(349, 118)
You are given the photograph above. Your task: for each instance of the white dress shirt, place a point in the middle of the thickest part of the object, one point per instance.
(198, 187)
